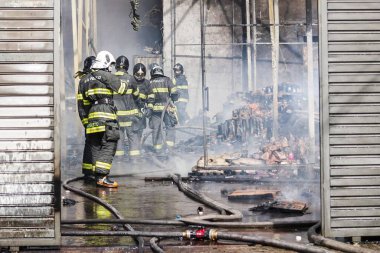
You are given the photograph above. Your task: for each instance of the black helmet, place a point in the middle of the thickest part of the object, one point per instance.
(178, 69)
(152, 65)
(122, 63)
(156, 71)
(88, 63)
(139, 71)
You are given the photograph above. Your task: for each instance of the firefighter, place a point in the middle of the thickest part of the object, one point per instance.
(102, 129)
(128, 110)
(182, 85)
(139, 74)
(83, 109)
(162, 93)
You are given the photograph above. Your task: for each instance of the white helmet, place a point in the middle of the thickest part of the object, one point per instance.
(103, 60)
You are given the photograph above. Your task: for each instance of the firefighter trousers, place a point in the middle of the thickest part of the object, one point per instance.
(134, 141)
(155, 125)
(103, 148)
(121, 144)
(87, 168)
(182, 114)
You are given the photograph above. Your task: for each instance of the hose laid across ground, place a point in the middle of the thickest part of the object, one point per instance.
(332, 244)
(213, 235)
(154, 246)
(112, 209)
(227, 213)
(185, 222)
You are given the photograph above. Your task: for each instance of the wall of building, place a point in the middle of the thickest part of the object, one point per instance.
(225, 64)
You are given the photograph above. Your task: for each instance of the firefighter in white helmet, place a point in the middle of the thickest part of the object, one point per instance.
(102, 129)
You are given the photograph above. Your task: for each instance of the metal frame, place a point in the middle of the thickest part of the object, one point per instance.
(17, 242)
(324, 118)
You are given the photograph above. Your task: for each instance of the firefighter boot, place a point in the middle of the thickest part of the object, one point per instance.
(106, 182)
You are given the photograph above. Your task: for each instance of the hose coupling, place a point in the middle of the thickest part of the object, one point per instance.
(200, 234)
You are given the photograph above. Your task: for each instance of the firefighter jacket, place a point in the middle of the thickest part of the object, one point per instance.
(183, 88)
(97, 92)
(162, 89)
(127, 105)
(144, 89)
(83, 104)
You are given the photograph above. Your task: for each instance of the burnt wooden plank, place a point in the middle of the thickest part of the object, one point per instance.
(355, 171)
(26, 167)
(355, 181)
(354, 160)
(355, 202)
(6, 156)
(355, 191)
(355, 212)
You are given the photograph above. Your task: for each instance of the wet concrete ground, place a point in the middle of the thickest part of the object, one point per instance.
(139, 199)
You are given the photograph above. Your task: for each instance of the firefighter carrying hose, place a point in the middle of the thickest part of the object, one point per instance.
(182, 85)
(102, 130)
(139, 73)
(83, 109)
(162, 91)
(128, 112)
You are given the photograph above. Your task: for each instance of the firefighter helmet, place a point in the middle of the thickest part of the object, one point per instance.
(178, 69)
(139, 71)
(103, 60)
(157, 71)
(122, 62)
(88, 63)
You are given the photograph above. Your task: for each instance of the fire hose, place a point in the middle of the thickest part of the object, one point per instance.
(332, 244)
(113, 210)
(154, 246)
(203, 234)
(189, 234)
